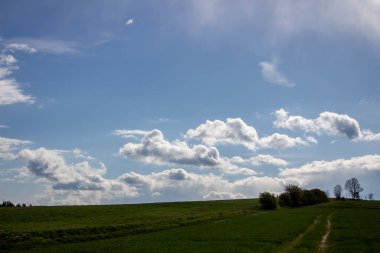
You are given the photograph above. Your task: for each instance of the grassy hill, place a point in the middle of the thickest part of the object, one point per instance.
(207, 226)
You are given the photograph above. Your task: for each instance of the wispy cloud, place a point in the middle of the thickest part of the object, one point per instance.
(287, 18)
(271, 74)
(10, 89)
(20, 47)
(50, 46)
(8, 147)
(130, 21)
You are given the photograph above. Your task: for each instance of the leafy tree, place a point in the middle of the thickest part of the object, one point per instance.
(370, 196)
(353, 187)
(295, 195)
(284, 199)
(268, 200)
(7, 204)
(338, 191)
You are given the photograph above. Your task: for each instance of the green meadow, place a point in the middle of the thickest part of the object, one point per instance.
(207, 226)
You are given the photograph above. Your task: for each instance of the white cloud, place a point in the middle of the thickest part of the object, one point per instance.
(368, 162)
(10, 91)
(259, 160)
(326, 174)
(237, 132)
(129, 133)
(71, 182)
(179, 184)
(281, 141)
(8, 146)
(328, 123)
(130, 21)
(233, 131)
(155, 149)
(49, 46)
(80, 154)
(20, 47)
(214, 195)
(271, 74)
(82, 183)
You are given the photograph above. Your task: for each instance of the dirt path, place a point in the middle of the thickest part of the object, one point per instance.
(323, 242)
(298, 239)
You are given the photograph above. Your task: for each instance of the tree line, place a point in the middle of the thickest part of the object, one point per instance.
(8, 203)
(295, 196)
(353, 187)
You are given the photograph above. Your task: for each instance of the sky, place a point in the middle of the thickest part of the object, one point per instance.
(105, 102)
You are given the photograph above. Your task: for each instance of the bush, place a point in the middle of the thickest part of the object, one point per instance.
(295, 195)
(268, 200)
(284, 199)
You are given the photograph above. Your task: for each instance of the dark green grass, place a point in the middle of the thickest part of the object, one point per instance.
(216, 226)
(355, 227)
(261, 232)
(24, 227)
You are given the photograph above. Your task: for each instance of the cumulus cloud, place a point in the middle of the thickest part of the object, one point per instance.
(271, 74)
(83, 183)
(236, 132)
(328, 123)
(10, 90)
(73, 180)
(233, 131)
(51, 164)
(153, 148)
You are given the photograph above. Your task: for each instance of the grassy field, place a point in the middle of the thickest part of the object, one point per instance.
(216, 226)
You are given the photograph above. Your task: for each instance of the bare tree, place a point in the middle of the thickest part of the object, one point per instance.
(353, 187)
(370, 196)
(338, 191)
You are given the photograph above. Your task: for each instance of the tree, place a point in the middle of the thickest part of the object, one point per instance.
(353, 187)
(338, 191)
(284, 199)
(295, 195)
(268, 200)
(370, 196)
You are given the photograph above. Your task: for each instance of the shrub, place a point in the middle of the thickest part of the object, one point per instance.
(284, 199)
(295, 195)
(268, 200)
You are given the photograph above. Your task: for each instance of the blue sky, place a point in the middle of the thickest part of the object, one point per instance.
(139, 101)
